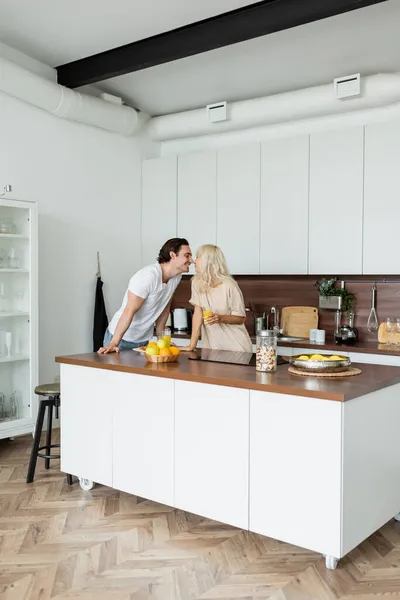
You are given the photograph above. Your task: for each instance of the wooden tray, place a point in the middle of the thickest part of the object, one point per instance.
(350, 371)
(296, 321)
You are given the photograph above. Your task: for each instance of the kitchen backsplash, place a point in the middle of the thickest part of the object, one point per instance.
(262, 292)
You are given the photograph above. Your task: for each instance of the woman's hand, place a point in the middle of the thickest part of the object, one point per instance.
(108, 349)
(186, 348)
(212, 319)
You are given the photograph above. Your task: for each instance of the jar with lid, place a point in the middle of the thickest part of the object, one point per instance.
(266, 352)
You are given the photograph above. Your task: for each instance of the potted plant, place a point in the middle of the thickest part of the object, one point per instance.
(332, 297)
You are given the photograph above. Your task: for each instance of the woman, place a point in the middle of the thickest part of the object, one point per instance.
(215, 291)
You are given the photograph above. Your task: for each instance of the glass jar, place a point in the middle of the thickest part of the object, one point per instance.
(266, 352)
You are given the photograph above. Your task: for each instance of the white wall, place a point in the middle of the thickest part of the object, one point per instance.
(87, 183)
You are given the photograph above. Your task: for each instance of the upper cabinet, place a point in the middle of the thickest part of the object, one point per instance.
(381, 199)
(238, 207)
(336, 201)
(159, 198)
(284, 206)
(197, 198)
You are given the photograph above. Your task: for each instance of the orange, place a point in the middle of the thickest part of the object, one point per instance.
(152, 344)
(165, 352)
(174, 351)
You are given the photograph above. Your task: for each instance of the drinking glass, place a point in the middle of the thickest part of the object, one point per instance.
(8, 342)
(397, 330)
(390, 328)
(2, 407)
(14, 406)
(166, 335)
(13, 261)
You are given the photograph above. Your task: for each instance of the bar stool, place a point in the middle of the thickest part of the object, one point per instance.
(49, 397)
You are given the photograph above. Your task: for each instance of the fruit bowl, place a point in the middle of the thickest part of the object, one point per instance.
(156, 358)
(320, 363)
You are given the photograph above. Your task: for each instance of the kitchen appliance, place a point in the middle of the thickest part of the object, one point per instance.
(347, 334)
(230, 358)
(182, 320)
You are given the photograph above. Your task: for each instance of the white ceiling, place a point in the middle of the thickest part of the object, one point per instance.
(58, 31)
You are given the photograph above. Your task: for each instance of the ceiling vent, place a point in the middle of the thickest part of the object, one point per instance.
(347, 87)
(216, 112)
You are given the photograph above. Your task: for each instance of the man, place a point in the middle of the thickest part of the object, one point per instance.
(148, 299)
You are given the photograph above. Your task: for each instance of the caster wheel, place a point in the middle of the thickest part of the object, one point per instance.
(86, 484)
(331, 562)
(397, 517)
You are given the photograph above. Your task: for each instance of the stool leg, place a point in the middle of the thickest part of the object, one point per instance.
(36, 442)
(69, 479)
(48, 434)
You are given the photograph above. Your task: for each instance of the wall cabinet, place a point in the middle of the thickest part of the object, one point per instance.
(197, 198)
(382, 198)
(159, 201)
(336, 201)
(238, 207)
(211, 479)
(284, 206)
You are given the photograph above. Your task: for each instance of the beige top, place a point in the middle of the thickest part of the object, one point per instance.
(225, 299)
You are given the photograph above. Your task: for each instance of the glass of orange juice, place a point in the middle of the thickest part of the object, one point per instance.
(206, 314)
(166, 335)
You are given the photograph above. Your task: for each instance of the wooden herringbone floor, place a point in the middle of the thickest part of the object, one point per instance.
(63, 543)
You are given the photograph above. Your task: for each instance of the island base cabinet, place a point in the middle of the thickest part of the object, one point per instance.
(86, 423)
(371, 464)
(143, 443)
(212, 451)
(295, 470)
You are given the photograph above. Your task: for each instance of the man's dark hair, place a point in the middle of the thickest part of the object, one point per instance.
(172, 245)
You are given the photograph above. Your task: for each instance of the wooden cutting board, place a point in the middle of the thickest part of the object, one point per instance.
(384, 336)
(297, 321)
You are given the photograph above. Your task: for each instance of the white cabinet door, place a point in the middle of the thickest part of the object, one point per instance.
(143, 440)
(382, 198)
(197, 198)
(284, 206)
(87, 397)
(336, 201)
(159, 191)
(212, 451)
(238, 207)
(295, 470)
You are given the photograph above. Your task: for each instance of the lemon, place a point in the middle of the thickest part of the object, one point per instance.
(317, 357)
(335, 357)
(162, 343)
(152, 350)
(304, 357)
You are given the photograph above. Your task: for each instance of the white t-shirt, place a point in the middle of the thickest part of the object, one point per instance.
(146, 283)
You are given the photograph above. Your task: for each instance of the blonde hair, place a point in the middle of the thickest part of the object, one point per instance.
(213, 268)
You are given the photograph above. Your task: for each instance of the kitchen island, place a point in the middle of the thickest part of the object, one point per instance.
(312, 462)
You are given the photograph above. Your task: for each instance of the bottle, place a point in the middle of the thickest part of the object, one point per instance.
(266, 352)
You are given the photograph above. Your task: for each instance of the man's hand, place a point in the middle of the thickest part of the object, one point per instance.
(108, 349)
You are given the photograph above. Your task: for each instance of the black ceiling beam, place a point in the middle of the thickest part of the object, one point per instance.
(222, 30)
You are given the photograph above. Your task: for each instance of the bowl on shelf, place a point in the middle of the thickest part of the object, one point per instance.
(320, 363)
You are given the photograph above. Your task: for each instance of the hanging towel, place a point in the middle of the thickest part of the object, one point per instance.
(100, 322)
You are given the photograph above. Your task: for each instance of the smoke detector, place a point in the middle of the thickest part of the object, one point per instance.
(216, 112)
(347, 87)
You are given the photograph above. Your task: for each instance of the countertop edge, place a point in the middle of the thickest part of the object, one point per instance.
(236, 383)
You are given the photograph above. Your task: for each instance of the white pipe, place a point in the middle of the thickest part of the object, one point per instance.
(67, 104)
(376, 90)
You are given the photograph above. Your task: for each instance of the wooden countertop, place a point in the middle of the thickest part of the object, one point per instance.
(372, 378)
